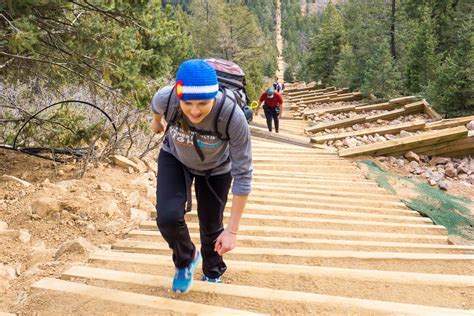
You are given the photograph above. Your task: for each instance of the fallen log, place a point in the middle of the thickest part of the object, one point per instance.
(428, 109)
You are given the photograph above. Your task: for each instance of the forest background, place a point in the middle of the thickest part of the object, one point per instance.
(116, 54)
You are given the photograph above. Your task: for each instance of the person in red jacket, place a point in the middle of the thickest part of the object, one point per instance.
(272, 107)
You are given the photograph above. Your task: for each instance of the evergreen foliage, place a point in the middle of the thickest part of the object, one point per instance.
(326, 46)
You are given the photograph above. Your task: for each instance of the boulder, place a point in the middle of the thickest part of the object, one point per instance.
(24, 236)
(142, 168)
(450, 171)
(464, 168)
(350, 142)
(470, 125)
(146, 206)
(400, 163)
(109, 207)
(133, 199)
(411, 156)
(443, 185)
(404, 133)
(414, 165)
(24, 183)
(78, 246)
(104, 186)
(124, 162)
(44, 206)
(338, 143)
(138, 215)
(439, 161)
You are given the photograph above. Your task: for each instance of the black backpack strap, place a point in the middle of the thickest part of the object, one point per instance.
(168, 103)
(234, 101)
(220, 105)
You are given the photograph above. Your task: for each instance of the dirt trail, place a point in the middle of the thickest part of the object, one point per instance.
(279, 40)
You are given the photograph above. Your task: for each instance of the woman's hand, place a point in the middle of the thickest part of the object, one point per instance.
(156, 124)
(225, 242)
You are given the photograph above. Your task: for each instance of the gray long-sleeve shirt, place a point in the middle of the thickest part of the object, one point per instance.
(216, 151)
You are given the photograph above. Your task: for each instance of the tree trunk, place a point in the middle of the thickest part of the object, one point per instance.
(392, 32)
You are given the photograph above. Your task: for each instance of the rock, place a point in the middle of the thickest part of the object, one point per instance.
(133, 199)
(418, 171)
(400, 163)
(350, 142)
(439, 161)
(44, 206)
(382, 159)
(411, 156)
(77, 246)
(380, 139)
(414, 165)
(3, 226)
(443, 185)
(392, 160)
(146, 206)
(142, 168)
(24, 236)
(114, 226)
(152, 166)
(69, 185)
(106, 187)
(464, 168)
(91, 228)
(109, 207)
(463, 176)
(60, 173)
(470, 125)
(450, 171)
(404, 133)
(24, 183)
(124, 162)
(390, 136)
(7, 274)
(432, 182)
(471, 179)
(338, 143)
(437, 176)
(138, 216)
(150, 192)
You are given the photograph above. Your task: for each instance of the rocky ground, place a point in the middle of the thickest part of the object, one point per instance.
(49, 218)
(444, 173)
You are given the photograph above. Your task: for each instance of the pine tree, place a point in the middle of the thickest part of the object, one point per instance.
(345, 73)
(381, 77)
(452, 93)
(421, 60)
(327, 45)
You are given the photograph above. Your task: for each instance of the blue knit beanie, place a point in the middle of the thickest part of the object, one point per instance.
(196, 80)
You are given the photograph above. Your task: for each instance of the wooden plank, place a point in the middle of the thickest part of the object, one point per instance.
(295, 269)
(265, 294)
(447, 123)
(336, 242)
(407, 109)
(378, 106)
(406, 143)
(310, 253)
(445, 149)
(389, 129)
(341, 123)
(428, 109)
(130, 298)
(403, 100)
(277, 230)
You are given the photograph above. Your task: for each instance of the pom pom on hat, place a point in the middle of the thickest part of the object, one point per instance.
(196, 80)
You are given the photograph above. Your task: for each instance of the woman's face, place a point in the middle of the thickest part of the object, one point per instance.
(196, 110)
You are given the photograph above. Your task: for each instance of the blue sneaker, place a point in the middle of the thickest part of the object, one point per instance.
(183, 278)
(212, 280)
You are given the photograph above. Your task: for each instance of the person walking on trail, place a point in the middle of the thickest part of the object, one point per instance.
(193, 152)
(272, 107)
(276, 85)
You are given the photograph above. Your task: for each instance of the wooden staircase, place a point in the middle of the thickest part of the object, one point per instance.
(316, 238)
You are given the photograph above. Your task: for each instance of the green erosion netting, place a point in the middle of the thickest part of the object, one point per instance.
(444, 209)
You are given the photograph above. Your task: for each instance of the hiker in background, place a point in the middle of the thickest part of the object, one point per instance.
(272, 107)
(283, 85)
(276, 85)
(193, 151)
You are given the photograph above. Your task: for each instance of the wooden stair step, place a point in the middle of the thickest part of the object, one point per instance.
(397, 277)
(321, 233)
(321, 244)
(130, 298)
(263, 294)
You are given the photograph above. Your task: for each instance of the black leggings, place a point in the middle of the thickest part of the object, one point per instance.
(170, 207)
(271, 113)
